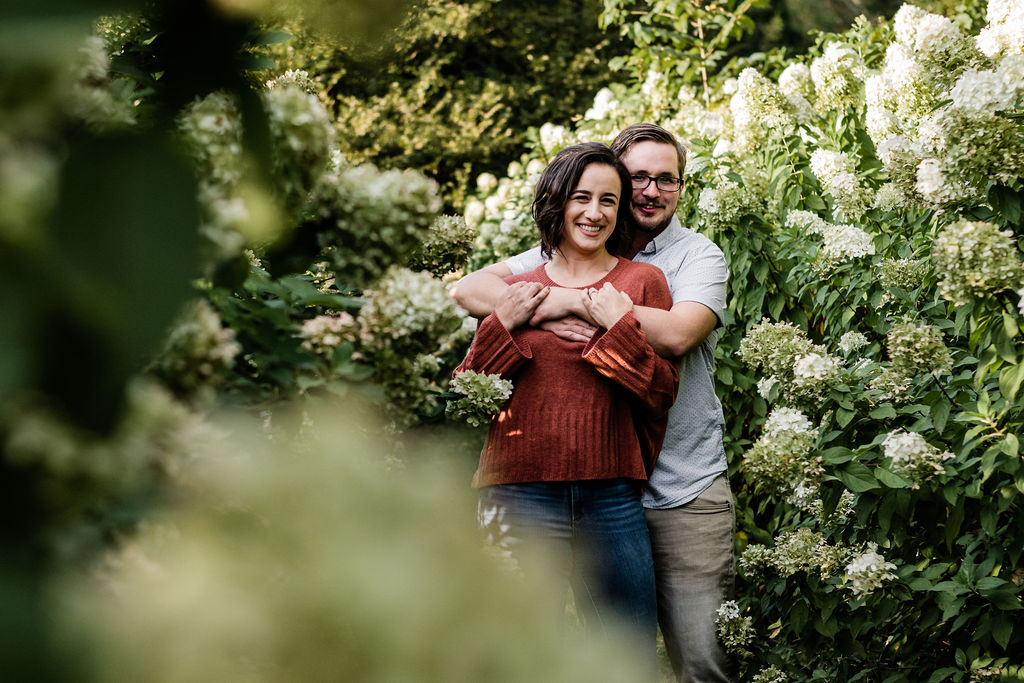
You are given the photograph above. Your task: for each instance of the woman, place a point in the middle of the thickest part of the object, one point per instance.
(563, 463)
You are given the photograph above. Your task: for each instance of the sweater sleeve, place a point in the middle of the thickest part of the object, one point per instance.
(623, 355)
(494, 350)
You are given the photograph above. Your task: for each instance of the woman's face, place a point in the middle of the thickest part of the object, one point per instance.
(591, 210)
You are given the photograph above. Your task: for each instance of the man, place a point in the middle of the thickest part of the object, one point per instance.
(688, 503)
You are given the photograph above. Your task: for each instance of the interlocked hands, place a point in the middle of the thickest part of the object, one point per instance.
(518, 303)
(606, 305)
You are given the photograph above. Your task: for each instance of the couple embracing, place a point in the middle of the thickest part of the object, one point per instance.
(609, 451)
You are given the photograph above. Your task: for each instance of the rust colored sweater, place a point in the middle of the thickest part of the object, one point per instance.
(576, 409)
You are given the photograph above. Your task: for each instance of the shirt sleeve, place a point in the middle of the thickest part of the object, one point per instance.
(702, 277)
(494, 350)
(526, 261)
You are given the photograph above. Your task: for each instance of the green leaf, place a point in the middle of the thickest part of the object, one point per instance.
(1002, 629)
(890, 479)
(940, 415)
(942, 674)
(883, 411)
(857, 477)
(1010, 380)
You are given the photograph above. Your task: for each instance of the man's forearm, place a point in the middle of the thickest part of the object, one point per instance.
(676, 332)
(479, 292)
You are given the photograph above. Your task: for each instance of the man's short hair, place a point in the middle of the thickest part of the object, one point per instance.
(559, 180)
(641, 132)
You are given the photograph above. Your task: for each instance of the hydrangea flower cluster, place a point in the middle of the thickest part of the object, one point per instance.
(504, 219)
(844, 243)
(868, 571)
(837, 174)
(795, 79)
(975, 259)
(794, 551)
(757, 99)
(917, 349)
(934, 39)
(805, 371)
(445, 248)
(900, 273)
(198, 347)
(483, 397)
(405, 314)
(303, 138)
(554, 138)
(891, 197)
(891, 385)
(770, 674)
(910, 455)
(720, 207)
(838, 77)
(1004, 34)
(955, 149)
(407, 319)
(324, 333)
(781, 457)
(734, 631)
(88, 95)
(212, 129)
(400, 205)
(852, 341)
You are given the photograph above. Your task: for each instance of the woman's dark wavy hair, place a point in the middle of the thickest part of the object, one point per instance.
(557, 183)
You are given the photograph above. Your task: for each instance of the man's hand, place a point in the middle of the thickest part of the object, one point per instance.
(518, 302)
(570, 328)
(606, 305)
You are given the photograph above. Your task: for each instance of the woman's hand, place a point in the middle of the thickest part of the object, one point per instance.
(518, 302)
(606, 305)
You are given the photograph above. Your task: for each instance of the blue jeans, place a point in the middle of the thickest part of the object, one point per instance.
(693, 553)
(597, 534)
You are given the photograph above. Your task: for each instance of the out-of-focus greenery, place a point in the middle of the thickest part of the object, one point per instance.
(453, 90)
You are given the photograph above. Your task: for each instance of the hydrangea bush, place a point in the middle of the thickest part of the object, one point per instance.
(868, 198)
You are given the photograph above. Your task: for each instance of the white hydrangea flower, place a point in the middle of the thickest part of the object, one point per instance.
(979, 92)
(1005, 31)
(795, 79)
(935, 186)
(891, 197)
(868, 571)
(845, 242)
(787, 419)
(553, 138)
(734, 631)
(810, 223)
(912, 456)
(324, 333)
(975, 258)
(605, 104)
(852, 341)
(766, 384)
(814, 367)
(838, 76)
(763, 101)
(1020, 304)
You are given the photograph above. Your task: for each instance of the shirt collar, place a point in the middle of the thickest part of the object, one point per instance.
(672, 233)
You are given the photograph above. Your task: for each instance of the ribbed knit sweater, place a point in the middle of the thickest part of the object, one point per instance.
(576, 409)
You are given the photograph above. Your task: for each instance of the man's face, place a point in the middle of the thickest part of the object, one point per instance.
(653, 208)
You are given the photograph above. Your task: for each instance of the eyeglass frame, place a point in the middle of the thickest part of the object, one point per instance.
(677, 182)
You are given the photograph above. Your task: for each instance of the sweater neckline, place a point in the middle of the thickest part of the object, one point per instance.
(546, 280)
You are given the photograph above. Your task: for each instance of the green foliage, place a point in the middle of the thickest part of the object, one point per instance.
(458, 83)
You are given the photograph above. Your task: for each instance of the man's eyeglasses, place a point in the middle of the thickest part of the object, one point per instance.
(664, 183)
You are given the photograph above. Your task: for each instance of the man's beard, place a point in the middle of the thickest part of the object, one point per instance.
(645, 223)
